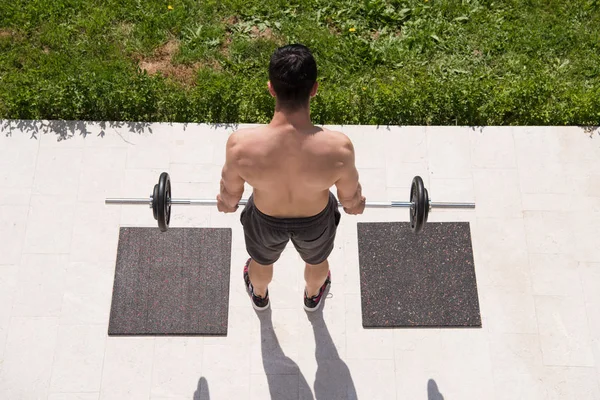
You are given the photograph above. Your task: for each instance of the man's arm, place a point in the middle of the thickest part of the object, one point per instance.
(232, 184)
(349, 189)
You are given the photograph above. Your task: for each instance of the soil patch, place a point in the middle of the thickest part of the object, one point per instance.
(162, 62)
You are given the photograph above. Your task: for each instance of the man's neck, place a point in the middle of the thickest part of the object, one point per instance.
(299, 118)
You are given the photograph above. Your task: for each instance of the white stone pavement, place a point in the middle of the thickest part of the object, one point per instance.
(536, 246)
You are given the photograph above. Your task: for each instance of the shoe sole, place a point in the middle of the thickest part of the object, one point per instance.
(257, 308)
(308, 309)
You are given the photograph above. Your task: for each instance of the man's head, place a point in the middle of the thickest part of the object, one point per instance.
(292, 76)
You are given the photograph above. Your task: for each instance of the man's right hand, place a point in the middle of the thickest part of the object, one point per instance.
(358, 208)
(223, 207)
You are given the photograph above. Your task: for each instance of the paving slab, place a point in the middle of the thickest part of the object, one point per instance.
(168, 379)
(127, 368)
(493, 148)
(87, 293)
(81, 345)
(8, 287)
(564, 331)
(13, 220)
(49, 226)
(18, 158)
(449, 152)
(28, 360)
(41, 285)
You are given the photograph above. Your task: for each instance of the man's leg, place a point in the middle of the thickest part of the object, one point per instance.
(315, 275)
(260, 276)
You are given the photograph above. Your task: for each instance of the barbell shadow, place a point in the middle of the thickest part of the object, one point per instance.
(283, 374)
(202, 392)
(433, 393)
(333, 379)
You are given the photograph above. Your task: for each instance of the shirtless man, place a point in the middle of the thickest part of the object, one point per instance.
(291, 165)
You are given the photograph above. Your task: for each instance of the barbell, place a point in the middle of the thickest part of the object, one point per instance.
(161, 201)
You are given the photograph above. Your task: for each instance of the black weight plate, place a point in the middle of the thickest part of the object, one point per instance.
(155, 202)
(412, 211)
(417, 209)
(168, 209)
(164, 206)
(427, 207)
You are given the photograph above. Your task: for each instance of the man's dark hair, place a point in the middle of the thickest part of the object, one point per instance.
(293, 73)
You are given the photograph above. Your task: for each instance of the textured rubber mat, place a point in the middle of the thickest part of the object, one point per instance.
(171, 283)
(410, 280)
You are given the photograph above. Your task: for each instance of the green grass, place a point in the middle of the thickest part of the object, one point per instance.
(522, 62)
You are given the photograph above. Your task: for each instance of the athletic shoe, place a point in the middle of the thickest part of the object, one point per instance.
(313, 303)
(259, 303)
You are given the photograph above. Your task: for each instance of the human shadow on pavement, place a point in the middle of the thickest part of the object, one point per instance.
(333, 379)
(202, 392)
(433, 393)
(283, 374)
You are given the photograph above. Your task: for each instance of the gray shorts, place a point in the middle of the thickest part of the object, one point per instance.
(267, 236)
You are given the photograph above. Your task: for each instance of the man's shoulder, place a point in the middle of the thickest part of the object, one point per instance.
(242, 133)
(338, 135)
(246, 142)
(339, 141)
(240, 137)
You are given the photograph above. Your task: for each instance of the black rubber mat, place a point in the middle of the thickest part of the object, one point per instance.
(410, 280)
(171, 283)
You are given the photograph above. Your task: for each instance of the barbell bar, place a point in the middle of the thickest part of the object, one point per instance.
(160, 201)
(243, 202)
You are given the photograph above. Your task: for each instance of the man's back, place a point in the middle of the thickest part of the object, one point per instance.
(291, 171)
(291, 165)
